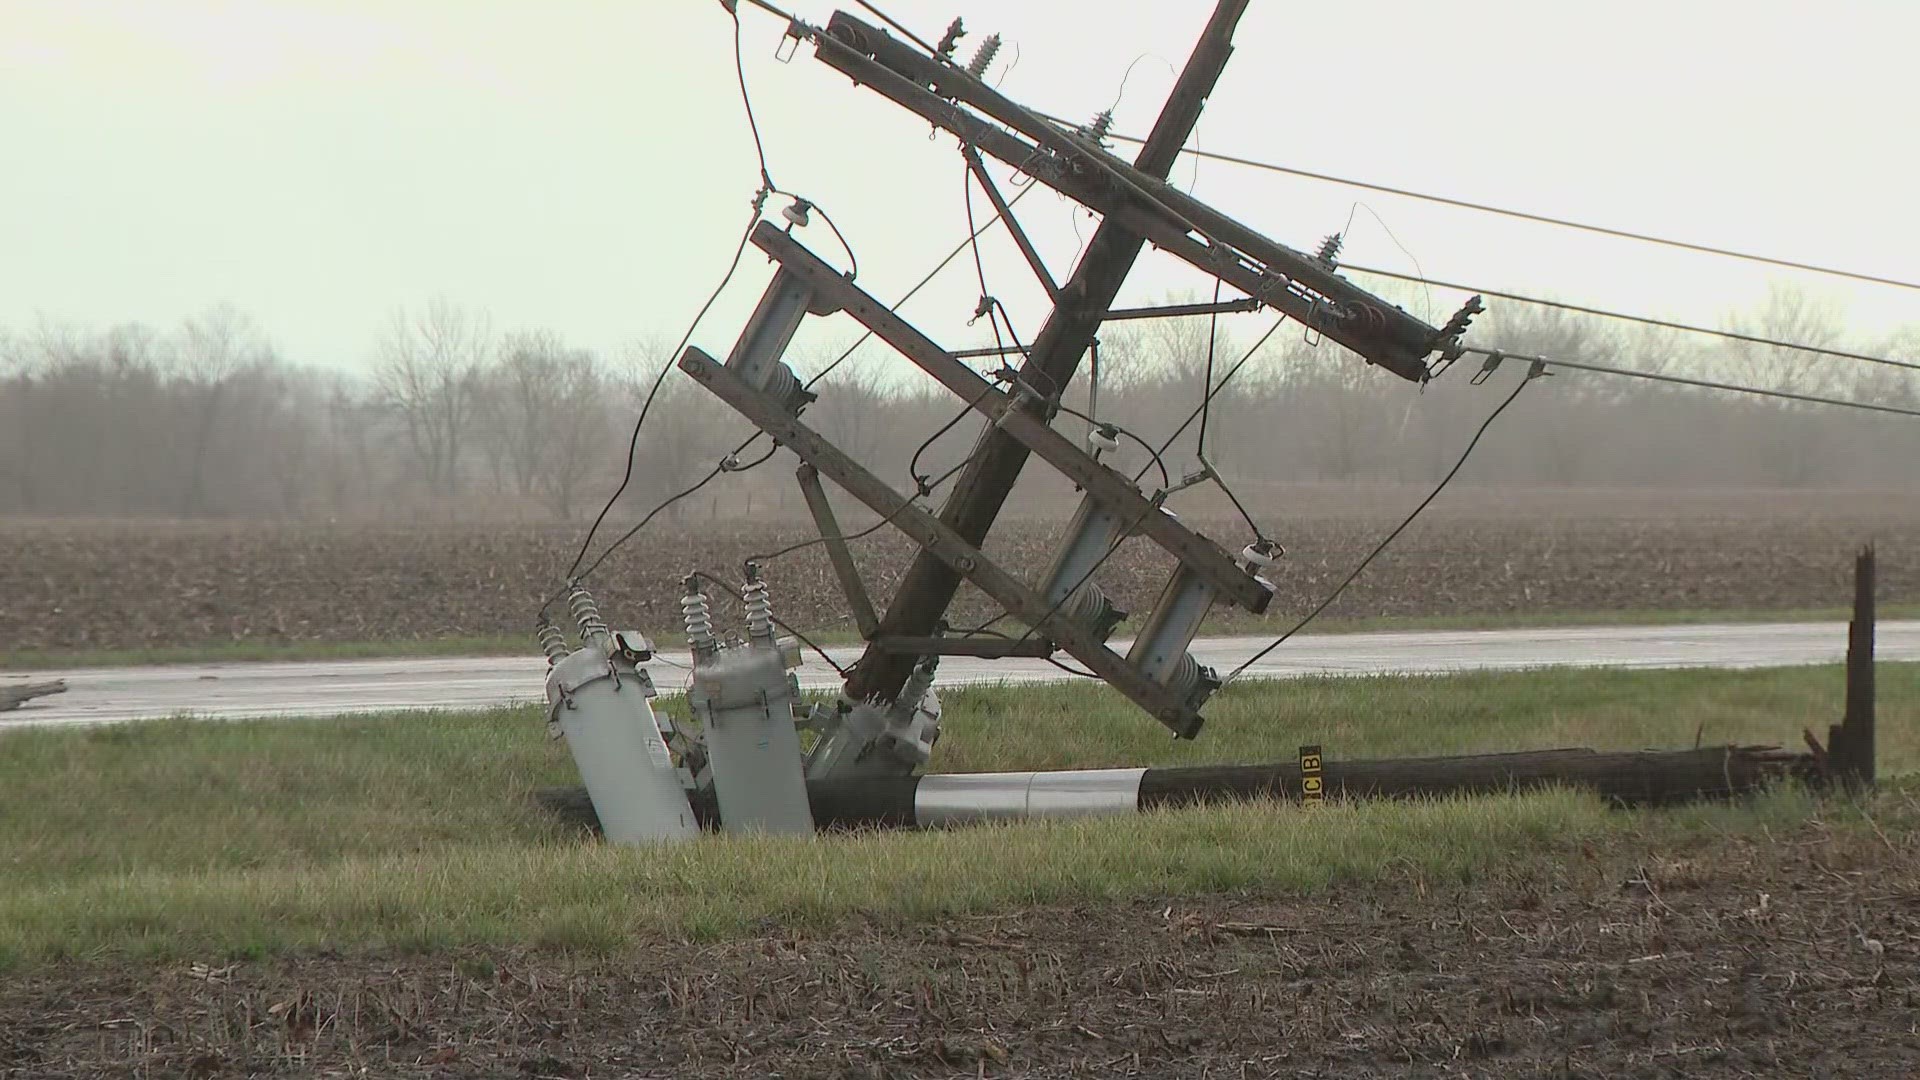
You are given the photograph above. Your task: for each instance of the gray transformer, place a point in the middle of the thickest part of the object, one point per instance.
(601, 706)
(744, 699)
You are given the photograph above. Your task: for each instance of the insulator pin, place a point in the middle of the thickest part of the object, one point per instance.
(697, 614)
(982, 56)
(552, 641)
(758, 605)
(593, 628)
(1329, 254)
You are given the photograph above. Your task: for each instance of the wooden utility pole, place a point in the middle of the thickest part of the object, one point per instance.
(982, 489)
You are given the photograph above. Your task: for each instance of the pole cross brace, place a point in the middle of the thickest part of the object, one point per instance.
(934, 536)
(1019, 420)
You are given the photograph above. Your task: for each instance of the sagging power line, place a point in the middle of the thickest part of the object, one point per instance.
(1647, 320)
(1523, 215)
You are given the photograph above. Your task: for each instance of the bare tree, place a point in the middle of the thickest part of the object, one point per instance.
(1793, 314)
(546, 406)
(428, 371)
(852, 409)
(687, 429)
(214, 351)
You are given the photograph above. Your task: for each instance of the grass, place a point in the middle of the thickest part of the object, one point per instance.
(180, 839)
(1221, 623)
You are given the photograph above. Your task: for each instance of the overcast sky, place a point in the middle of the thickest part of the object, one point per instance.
(585, 166)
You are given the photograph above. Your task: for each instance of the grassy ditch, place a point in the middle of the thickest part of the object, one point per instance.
(203, 840)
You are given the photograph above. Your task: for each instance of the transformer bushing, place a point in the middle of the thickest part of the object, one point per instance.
(860, 738)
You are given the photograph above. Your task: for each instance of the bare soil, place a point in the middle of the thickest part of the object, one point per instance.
(1726, 959)
(1485, 551)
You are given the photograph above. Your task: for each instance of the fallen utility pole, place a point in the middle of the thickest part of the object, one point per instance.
(1646, 778)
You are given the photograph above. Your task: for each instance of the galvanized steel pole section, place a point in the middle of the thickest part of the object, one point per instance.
(922, 599)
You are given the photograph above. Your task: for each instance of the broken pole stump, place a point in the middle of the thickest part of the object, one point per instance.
(1850, 743)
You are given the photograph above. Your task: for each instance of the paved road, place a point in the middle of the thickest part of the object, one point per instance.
(104, 695)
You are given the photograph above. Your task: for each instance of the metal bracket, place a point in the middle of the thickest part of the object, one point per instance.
(1535, 367)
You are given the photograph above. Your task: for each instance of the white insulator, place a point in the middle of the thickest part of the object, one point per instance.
(593, 628)
(552, 641)
(1098, 441)
(698, 616)
(1089, 606)
(983, 55)
(919, 682)
(759, 607)
(1188, 676)
(1260, 555)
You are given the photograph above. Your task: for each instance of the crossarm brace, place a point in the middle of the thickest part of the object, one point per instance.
(1005, 210)
(1014, 417)
(837, 552)
(942, 542)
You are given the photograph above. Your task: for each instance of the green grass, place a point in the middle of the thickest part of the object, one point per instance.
(1220, 623)
(200, 840)
(1239, 622)
(250, 651)
(1076, 725)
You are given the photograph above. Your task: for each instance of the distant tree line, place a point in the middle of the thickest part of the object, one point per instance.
(455, 421)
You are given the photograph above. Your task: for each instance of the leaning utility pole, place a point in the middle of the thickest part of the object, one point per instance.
(929, 586)
(887, 716)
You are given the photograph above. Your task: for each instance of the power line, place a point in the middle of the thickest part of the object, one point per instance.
(910, 294)
(630, 534)
(1544, 219)
(646, 406)
(1155, 462)
(753, 123)
(898, 25)
(1731, 335)
(1224, 380)
(1494, 356)
(1389, 538)
(932, 486)
(633, 442)
(718, 469)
